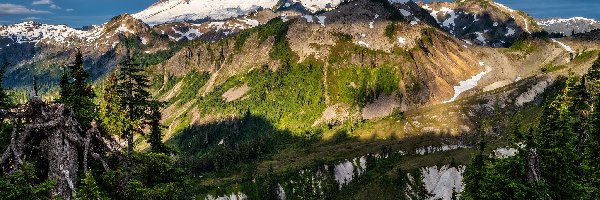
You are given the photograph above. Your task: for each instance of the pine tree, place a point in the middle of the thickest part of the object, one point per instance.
(132, 87)
(556, 143)
(77, 93)
(155, 137)
(112, 113)
(475, 173)
(4, 99)
(592, 148)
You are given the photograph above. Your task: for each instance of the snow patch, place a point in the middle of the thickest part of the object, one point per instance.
(321, 20)
(362, 43)
(309, 18)
(510, 32)
(346, 171)
(481, 37)
(233, 196)
(505, 152)
(432, 149)
(406, 13)
(564, 46)
(441, 181)
(468, 84)
(402, 40)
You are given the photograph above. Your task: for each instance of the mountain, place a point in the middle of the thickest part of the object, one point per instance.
(203, 10)
(569, 26)
(483, 22)
(317, 99)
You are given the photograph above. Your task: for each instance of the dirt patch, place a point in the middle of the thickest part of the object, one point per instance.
(496, 85)
(173, 91)
(235, 93)
(383, 106)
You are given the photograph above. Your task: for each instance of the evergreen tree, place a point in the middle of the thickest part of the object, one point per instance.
(76, 93)
(114, 118)
(134, 98)
(557, 146)
(4, 99)
(475, 173)
(155, 136)
(592, 148)
(5, 102)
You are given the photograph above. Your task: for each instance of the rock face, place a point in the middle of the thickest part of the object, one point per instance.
(569, 26)
(481, 22)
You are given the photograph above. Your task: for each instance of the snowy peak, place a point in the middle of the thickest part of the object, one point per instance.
(482, 22)
(313, 5)
(33, 32)
(166, 11)
(570, 25)
(192, 10)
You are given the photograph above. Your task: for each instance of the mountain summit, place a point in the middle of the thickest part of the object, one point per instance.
(198, 10)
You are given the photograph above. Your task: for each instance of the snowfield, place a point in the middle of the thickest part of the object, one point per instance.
(468, 84)
(32, 32)
(190, 10)
(183, 10)
(564, 46)
(441, 181)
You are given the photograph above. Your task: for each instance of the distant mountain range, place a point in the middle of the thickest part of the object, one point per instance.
(570, 25)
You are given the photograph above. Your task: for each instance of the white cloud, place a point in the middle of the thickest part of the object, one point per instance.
(69, 10)
(47, 2)
(30, 18)
(42, 2)
(13, 9)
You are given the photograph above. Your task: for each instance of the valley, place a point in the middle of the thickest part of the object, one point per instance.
(297, 99)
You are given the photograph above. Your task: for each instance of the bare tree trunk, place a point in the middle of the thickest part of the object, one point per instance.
(533, 171)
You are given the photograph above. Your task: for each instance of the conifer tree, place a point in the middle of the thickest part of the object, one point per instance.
(475, 173)
(134, 98)
(77, 93)
(155, 137)
(112, 113)
(592, 148)
(4, 100)
(556, 143)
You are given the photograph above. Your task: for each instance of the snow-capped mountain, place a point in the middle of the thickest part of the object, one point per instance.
(203, 10)
(570, 25)
(482, 22)
(32, 32)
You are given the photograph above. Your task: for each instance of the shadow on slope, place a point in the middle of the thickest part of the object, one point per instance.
(228, 143)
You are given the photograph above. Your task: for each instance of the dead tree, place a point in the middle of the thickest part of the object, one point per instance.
(51, 133)
(533, 169)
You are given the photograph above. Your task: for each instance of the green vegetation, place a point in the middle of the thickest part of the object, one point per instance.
(291, 97)
(390, 30)
(523, 44)
(552, 68)
(78, 94)
(358, 86)
(555, 157)
(25, 184)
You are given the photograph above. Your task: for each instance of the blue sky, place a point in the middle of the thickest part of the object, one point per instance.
(77, 13)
